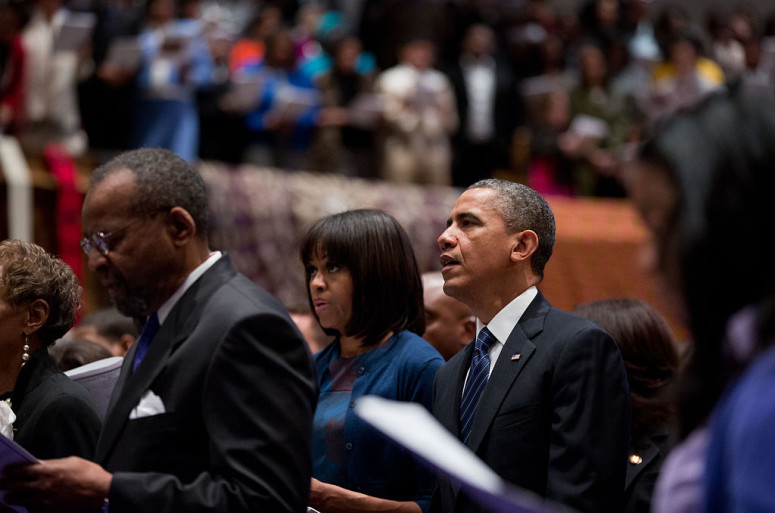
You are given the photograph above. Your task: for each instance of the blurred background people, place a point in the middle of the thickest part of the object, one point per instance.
(597, 127)
(287, 107)
(651, 362)
(488, 107)
(420, 115)
(176, 61)
(109, 328)
(51, 75)
(365, 288)
(39, 297)
(704, 177)
(13, 17)
(449, 324)
(350, 113)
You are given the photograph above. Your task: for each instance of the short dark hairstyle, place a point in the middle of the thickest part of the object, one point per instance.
(27, 273)
(650, 359)
(110, 323)
(522, 208)
(70, 354)
(375, 249)
(162, 180)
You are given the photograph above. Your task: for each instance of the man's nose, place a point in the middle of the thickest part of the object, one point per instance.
(446, 239)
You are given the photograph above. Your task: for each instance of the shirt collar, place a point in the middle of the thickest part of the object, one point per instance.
(165, 309)
(504, 321)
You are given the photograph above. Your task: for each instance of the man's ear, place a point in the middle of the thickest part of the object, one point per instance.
(37, 315)
(525, 244)
(124, 343)
(181, 224)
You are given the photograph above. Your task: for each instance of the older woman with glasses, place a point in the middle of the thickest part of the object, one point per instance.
(39, 297)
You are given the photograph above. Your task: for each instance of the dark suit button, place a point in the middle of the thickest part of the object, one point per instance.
(352, 404)
(361, 370)
(348, 446)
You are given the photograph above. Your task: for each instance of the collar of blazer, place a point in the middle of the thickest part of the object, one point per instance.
(176, 328)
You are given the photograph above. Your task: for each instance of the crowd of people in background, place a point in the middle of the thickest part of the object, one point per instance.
(426, 92)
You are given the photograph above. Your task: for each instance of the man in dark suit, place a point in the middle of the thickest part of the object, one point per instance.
(488, 107)
(552, 410)
(214, 411)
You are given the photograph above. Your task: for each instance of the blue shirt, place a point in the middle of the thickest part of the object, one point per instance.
(345, 450)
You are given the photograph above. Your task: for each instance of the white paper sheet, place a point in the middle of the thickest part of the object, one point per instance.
(414, 428)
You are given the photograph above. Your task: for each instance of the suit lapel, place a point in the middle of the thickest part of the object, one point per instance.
(175, 329)
(507, 370)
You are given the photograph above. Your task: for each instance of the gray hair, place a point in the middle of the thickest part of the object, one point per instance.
(163, 180)
(522, 208)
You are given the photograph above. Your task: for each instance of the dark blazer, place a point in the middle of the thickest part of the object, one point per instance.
(238, 388)
(55, 417)
(642, 473)
(555, 420)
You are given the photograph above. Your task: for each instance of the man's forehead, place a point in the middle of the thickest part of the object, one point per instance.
(475, 202)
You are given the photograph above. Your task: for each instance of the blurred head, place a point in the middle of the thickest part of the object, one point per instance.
(449, 324)
(649, 355)
(346, 54)
(594, 69)
(704, 186)
(280, 50)
(108, 328)
(418, 53)
(366, 254)
(39, 297)
(479, 40)
(70, 354)
(145, 224)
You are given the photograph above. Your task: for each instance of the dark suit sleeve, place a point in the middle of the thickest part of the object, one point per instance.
(590, 425)
(258, 400)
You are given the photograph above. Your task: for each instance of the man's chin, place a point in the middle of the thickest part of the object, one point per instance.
(131, 307)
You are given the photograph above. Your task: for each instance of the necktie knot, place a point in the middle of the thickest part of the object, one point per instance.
(485, 340)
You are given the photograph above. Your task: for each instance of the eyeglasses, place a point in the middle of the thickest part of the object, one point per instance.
(101, 240)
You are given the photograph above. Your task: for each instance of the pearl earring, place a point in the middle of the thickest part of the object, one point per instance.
(26, 353)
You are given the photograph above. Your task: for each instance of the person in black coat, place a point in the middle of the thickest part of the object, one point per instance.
(488, 106)
(39, 296)
(652, 363)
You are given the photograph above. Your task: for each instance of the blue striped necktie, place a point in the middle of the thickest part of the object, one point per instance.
(477, 379)
(149, 331)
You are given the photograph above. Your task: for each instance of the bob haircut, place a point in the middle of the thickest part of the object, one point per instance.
(387, 288)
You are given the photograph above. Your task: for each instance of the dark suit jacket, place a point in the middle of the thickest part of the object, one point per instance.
(507, 108)
(555, 421)
(55, 417)
(238, 387)
(642, 477)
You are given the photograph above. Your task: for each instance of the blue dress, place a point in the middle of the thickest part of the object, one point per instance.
(345, 450)
(741, 451)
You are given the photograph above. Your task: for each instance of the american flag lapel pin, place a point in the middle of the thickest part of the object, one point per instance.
(515, 357)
